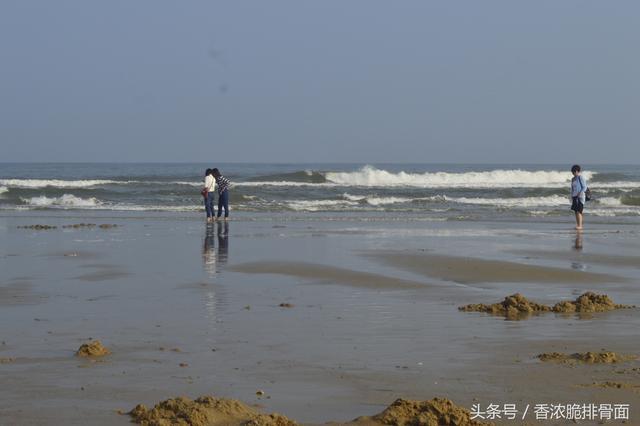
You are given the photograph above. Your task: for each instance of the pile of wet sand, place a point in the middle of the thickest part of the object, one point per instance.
(512, 306)
(92, 349)
(212, 411)
(585, 357)
(435, 412)
(204, 411)
(516, 306)
(589, 302)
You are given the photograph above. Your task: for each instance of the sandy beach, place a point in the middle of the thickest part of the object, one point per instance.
(317, 320)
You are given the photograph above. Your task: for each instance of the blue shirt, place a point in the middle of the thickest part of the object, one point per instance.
(578, 186)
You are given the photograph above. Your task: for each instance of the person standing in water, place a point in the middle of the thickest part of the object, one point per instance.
(208, 193)
(578, 196)
(223, 193)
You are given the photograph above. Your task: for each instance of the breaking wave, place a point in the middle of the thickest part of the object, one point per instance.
(65, 201)
(372, 177)
(57, 183)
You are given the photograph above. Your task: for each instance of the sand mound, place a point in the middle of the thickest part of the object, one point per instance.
(204, 411)
(91, 349)
(586, 357)
(435, 412)
(589, 302)
(211, 411)
(512, 306)
(517, 305)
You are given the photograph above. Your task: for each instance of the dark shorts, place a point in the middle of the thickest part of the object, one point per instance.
(576, 205)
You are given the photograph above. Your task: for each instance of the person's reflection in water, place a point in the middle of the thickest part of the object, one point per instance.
(577, 246)
(215, 297)
(223, 241)
(209, 251)
(578, 242)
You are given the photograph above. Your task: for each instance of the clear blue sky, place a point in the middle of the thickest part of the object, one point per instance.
(320, 81)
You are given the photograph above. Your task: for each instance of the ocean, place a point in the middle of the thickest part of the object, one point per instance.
(351, 191)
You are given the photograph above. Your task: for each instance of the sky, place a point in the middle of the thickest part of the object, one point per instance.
(362, 81)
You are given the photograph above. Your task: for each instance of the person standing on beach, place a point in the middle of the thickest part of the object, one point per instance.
(578, 196)
(223, 193)
(208, 193)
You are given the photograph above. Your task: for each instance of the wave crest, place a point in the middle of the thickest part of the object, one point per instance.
(373, 177)
(65, 201)
(57, 183)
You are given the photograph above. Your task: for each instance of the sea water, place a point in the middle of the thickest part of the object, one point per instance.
(349, 191)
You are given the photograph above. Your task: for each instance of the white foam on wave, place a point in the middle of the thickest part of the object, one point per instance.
(65, 201)
(140, 208)
(373, 177)
(319, 205)
(286, 183)
(599, 190)
(621, 185)
(3, 189)
(200, 184)
(57, 183)
(526, 202)
(378, 201)
(613, 212)
(68, 201)
(609, 201)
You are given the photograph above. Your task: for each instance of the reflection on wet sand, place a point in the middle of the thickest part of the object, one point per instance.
(223, 242)
(210, 258)
(577, 245)
(209, 251)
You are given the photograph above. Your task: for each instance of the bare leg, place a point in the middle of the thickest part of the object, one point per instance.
(578, 220)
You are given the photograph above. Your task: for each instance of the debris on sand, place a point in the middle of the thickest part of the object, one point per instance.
(107, 226)
(6, 360)
(79, 225)
(611, 385)
(38, 227)
(205, 411)
(435, 412)
(512, 306)
(589, 302)
(92, 349)
(585, 357)
(286, 305)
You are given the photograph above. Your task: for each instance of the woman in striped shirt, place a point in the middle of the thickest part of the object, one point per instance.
(223, 193)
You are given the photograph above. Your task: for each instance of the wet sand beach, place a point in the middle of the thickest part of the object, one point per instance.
(468, 270)
(318, 320)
